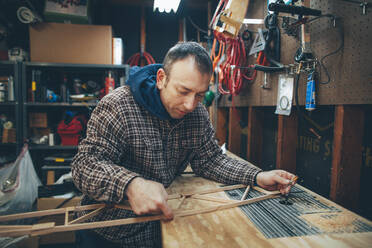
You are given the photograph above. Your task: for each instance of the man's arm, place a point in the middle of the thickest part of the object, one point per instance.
(209, 162)
(95, 168)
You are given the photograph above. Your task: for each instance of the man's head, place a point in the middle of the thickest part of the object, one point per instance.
(184, 78)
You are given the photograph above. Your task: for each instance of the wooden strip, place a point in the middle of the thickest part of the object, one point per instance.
(66, 214)
(180, 29)
(121, 206)
(286, 145)
(26, 230)
(234, 142)
(183, 213)
(181, 202)
(47, 212)
(50, 177)
(347, 155)
(15, 233)
(254, 136)
(86, 217)
(225, 206)
(95, 206)
(246, 192)
(174, 196)
(265, 191)
(214, 190)
(43, 225)
(212, 199)
(15, 226)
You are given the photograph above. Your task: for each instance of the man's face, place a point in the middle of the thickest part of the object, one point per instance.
(183, 88)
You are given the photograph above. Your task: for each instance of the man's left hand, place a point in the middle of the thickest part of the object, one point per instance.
(275, 180)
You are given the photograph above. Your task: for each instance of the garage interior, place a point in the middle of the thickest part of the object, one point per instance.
(291, 90)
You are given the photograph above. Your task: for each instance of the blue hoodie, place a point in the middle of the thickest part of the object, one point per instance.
(142, 83)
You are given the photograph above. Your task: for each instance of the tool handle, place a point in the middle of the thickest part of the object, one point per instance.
(294, 10)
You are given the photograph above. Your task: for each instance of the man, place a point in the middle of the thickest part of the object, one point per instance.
(141, 136)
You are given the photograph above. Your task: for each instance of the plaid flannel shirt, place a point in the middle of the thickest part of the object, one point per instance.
(124, 141)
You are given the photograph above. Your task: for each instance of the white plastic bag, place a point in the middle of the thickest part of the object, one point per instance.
(18, 186)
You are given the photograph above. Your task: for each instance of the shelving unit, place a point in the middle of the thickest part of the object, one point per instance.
(12, 109)
(53, 75)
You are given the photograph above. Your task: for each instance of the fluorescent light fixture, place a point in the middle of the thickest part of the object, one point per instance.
(166, 5)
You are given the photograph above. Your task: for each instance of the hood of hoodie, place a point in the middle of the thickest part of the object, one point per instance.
(142, 83)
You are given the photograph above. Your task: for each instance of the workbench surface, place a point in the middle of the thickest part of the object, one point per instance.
(233, 228)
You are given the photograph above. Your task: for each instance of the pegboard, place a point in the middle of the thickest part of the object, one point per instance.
(350, 69)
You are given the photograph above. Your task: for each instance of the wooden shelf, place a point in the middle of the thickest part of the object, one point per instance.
(60, 104)
(8, 144)
(69, 65)
(8, 103)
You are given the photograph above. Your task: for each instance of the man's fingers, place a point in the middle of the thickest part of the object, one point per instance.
(167, 211)
(281, 180)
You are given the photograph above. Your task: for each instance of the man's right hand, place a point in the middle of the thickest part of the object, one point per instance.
(148, 197)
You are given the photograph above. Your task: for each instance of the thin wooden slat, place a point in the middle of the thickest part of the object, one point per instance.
(180, 29)
(347, 155)
(46, 212)
(286, 144)
(254, 136)
(26, 230)
(87, 216)
(212, 199)
(2, 227)
(265, 191)
(68, 209)
(234, 131)
(245, 193)
(95, 206)
(181, 202)
(183, 213)
(214, 190)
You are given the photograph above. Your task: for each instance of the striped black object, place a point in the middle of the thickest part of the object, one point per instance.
(276, 220)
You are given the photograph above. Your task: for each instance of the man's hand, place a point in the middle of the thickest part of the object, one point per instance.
(148, 197)
(275, 180)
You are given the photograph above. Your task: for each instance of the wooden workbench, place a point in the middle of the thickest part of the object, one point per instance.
(232, 228)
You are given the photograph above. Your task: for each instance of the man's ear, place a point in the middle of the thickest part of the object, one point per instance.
(160, 78)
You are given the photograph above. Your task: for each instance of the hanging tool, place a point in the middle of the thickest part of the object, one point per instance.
(310, 91)
(228, 17)
(269, 40)
(286, 201)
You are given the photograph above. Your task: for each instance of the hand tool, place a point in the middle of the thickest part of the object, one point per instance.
(286, 196)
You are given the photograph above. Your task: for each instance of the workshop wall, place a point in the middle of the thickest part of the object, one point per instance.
(162, 29)
(314, 152)
(350, 76)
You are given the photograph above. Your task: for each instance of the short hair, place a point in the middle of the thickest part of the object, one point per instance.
(183, 50)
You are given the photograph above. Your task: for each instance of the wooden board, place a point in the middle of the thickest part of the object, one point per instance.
(347, 156)
(231, 228)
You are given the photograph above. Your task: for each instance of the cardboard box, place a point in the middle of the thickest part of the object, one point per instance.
(71, 43)
(52, 203)
(38, 120)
